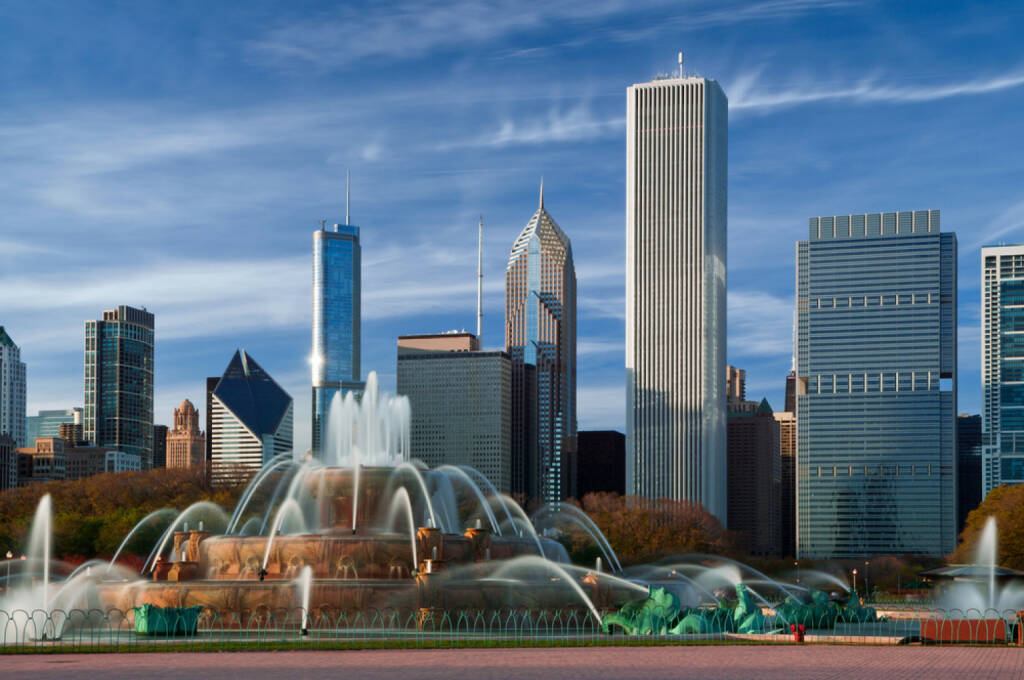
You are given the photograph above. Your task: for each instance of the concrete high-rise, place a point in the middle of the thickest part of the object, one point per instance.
(119, 382)
(876, 402)
(337, 286)
(186, 444)
(1002, 365)
(251, 421)
(676, 184)
(460, 399)
(12, 389)
(540, 338)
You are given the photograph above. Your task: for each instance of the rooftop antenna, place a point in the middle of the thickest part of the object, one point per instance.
(348, 196)
(680, 64)
(542, 192)
(479, 279)
(323, 225)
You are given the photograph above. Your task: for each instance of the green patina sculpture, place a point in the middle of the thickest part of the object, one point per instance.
(822, 612)
(662, 614)
(652, 616)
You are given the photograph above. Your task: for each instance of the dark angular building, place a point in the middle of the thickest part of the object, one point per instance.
(968, 466)
(755, 479)
(159, 446)
(600, 462)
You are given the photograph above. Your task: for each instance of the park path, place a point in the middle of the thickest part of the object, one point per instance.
(720, 662)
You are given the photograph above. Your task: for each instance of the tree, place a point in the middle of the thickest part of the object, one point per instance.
(641, 530)
(93, 515)
(1006, 504)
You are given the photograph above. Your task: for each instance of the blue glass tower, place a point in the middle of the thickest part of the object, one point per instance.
(119, 382)
(336, 320)
(876, 386)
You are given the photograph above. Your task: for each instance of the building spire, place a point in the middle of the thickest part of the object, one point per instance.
(348, 199)
(542, 192)
(479, 279)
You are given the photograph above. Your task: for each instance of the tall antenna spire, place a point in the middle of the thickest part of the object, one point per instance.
(680, 64)
(480, 279)
(348, 199)
(542, 192)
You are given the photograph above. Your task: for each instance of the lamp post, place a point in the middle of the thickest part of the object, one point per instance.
(867, 587)
(797, 565)
(7, 583)
(855, 578)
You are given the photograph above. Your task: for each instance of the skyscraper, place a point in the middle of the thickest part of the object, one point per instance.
(12, 389)
(787, 458)
(460, 399)
(968, 466)
(1002, 365)
(540, 338)
(876, 404)
(186, 444)
(160, 446)
(119, 382)
(676, 165)
(251, 421)
(755, 479)
(336, 319)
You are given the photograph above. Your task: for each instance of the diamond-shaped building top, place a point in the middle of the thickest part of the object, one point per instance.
(251, 420)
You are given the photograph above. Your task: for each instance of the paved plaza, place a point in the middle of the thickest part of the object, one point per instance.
(607, 663)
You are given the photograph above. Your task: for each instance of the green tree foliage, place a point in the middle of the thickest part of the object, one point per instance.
(93, 515)
(643, 531)
(1006, 504)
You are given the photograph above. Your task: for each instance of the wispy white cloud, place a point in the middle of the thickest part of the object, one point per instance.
(575, 124)
(601, 406)
(1010, 221)
(394, 31)
(748, 92)
(760, 324)
(592, 346)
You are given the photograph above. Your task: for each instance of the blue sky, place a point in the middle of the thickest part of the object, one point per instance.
(179, 155)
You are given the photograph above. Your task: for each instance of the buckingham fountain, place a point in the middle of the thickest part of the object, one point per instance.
(369, 531)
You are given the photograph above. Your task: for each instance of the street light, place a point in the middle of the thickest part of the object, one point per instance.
(855, 579)
(867, 588)
(7, 583)
(797, 565)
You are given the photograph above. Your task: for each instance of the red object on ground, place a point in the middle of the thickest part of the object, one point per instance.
(963, 630)
(798, 631)
(1020, 628)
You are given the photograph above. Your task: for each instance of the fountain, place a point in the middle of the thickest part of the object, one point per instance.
(370, 529)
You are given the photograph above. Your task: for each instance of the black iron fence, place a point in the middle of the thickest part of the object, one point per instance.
(115, 630)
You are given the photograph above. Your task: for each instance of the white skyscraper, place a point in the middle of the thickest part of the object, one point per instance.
(1002, 366)
(676, 167)
(12, 390)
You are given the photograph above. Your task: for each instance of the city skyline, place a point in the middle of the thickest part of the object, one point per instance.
(110, 154)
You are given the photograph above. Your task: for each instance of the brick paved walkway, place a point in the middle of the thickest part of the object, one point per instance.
(605, 663)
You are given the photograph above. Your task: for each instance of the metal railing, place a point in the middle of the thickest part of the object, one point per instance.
(114, 630)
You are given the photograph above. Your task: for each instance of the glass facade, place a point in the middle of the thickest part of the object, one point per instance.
(336, 320)
(12, 390)
(876, 356)
(540, 332)
(47, 423)
(1002, 365)
(118, 410)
